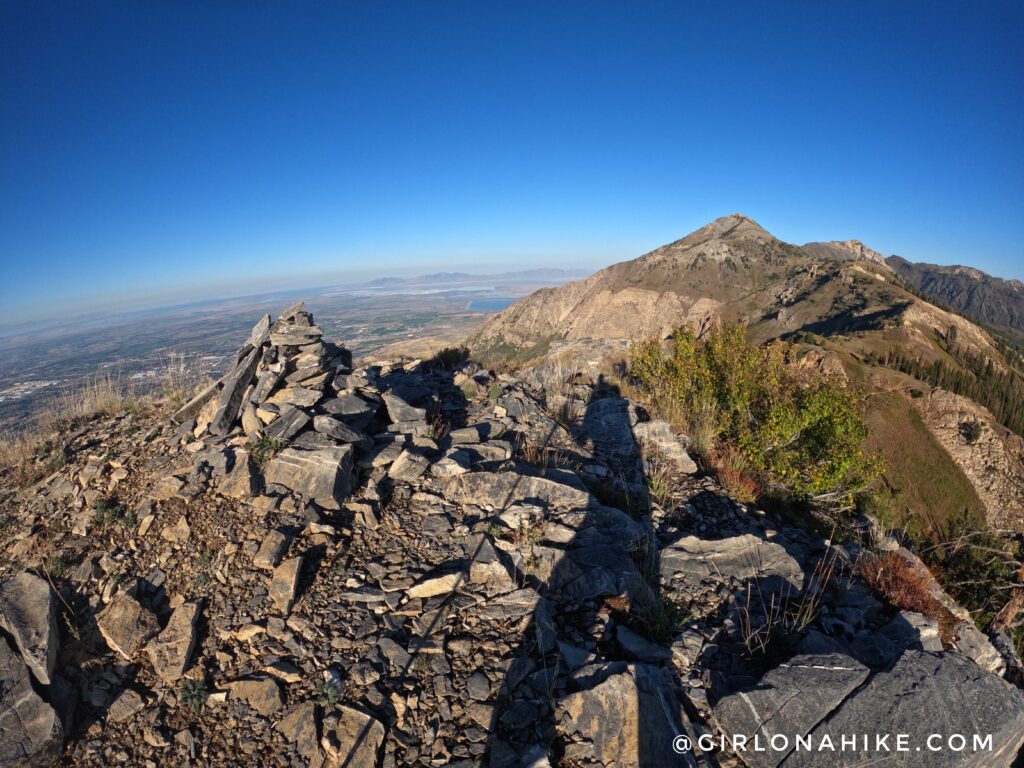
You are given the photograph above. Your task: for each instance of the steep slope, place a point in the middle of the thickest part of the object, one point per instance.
(989, 300)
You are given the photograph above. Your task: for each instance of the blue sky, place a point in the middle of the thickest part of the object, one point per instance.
(153, 149)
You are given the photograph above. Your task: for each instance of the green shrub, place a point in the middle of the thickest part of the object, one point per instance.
(971, 431)
(807, 437)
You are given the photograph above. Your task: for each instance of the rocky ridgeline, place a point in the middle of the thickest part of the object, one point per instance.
(403, 564)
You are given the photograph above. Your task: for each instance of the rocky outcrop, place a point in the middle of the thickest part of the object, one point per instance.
(993, 463)
(931, 698)
(28, 613)
(30, 731)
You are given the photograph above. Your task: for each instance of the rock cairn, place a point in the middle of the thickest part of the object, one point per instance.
(293, 398)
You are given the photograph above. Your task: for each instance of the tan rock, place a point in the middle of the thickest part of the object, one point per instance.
(126, 625)
(171, 650)
(262, 694)
(437, 585)
(299, 727)
(284, 583)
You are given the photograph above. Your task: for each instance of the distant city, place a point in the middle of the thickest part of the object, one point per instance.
(137, 347)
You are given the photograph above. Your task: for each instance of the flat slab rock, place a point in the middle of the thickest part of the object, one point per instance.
(126, 625)
(924, 694)
(30, 731)
(789, 700)
(357, 738)
(737, 558)
(323, 475)
(500, 490)
(28, 613)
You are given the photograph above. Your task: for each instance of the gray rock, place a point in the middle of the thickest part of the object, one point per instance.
(913, 630)
(639, 647)
(483, 453)
(924, 694)
(323, 475)
(399, 410)
(350, 408)
(171, 650)
(271, 550)
(502, 490)
(454, 462)
(659, 444)
(229, 400)
(260, 331)
(125, 706)
(31, 734)
(408, 467)
(338, 430)
(789, 700)
(738, 558)
(28, 613)
(289, 422)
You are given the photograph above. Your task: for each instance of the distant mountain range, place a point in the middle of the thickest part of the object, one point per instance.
(541, 274)
(989, 300)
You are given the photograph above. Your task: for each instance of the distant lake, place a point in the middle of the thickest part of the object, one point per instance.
(489, 305)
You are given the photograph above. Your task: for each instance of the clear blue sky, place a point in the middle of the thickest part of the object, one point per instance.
(147, 146)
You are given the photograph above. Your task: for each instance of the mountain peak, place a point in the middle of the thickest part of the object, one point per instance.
(734, 223)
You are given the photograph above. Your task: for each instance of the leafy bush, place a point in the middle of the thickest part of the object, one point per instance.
(807, 437)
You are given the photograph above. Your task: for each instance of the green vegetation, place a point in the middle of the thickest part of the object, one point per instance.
(806, 437)
(971, 431)
(264, 449)
(111, 512)
(921, 488)
(328, 694)
(974, 377)
(194, 694)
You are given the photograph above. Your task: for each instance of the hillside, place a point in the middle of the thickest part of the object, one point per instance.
(988, 300)
(422, 563)
(840, 300)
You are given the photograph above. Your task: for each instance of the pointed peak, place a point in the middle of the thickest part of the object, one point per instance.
(735, 222)
(731, 226)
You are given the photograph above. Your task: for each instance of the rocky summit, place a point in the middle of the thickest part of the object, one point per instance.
(420, 563)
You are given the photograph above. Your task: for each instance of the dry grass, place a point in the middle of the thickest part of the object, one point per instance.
(735, 476)
(102, 395)
(181, 379)
(765, 621)
(32, 454)
(906, 586)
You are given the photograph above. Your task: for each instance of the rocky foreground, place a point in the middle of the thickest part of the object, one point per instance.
(414, 564)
